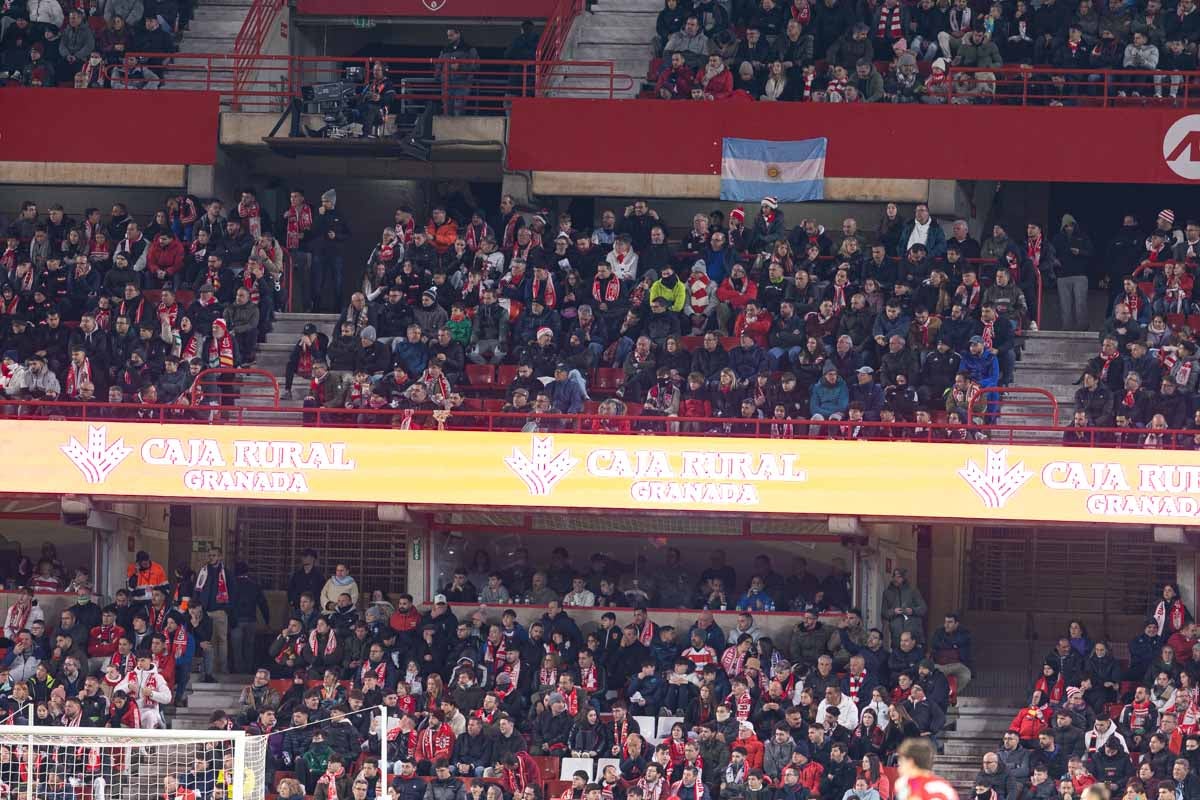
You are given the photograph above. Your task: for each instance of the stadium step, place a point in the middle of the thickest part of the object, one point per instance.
(620, 31)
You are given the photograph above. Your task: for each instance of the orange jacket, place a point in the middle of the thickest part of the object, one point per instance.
(443, 235)
(155, 576)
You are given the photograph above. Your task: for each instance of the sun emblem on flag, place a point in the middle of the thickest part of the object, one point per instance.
(774, 172)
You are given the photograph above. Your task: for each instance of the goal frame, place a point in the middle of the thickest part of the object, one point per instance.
(31, 736)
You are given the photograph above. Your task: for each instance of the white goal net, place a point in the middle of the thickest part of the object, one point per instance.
(77, 763)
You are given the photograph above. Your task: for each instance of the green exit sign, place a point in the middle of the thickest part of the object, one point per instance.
(363, 22)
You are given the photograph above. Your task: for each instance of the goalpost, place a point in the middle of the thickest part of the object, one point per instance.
(130, 764)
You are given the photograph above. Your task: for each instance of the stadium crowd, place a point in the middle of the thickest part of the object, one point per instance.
(751, 321)
(1128, 725)
(84, 44)
(114, 309)
(479, 694)
(932, 51)
(1143, 379)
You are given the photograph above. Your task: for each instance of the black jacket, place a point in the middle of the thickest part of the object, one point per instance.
(248, 600)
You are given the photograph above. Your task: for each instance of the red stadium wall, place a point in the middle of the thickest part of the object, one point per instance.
(119, 127)
(450, 9)
(865, 141)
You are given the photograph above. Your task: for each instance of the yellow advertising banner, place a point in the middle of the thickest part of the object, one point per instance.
(660, 473)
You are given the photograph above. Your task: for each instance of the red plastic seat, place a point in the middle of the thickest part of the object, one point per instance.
(505, 374)
(481, 374)
(185, 297)
(492, 404)
(547, 764)
(730, 342)
(691, 343)
(472, 404)
(609, 379)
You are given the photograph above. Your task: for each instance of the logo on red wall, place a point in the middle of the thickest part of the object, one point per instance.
(434, 5)
(1181, 147)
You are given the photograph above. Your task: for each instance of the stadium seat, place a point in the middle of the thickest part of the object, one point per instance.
(691, 343)
(556, 788)
(493, 404)
(547, 764)
(609, 379)
(481, 374)
(649, 733)
(572, 765)
(505, 374)
(664, 726)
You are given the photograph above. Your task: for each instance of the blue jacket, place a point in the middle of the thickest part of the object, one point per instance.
(714, 637)
(566, 397)
(887, 328)
(826, 399)
(984, 369)
(747, 363)
(871, 396)
(718, 264)
(651, 689)
(935, 243)
(413, 357)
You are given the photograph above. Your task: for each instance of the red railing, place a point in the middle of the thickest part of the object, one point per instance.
(558, 27)
(1029, 403)
(253, 35)
(269, 83)
(471, 417)
(1051, 86)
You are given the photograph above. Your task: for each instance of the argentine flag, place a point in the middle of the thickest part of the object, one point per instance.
(792, 172)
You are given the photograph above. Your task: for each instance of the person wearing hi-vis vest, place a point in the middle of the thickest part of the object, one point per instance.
(143, 576)
(213, 591)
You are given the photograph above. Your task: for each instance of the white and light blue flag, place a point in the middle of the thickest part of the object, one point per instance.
(791, 172)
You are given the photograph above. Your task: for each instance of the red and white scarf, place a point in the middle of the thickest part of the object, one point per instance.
(252, 214)
(172, 312)
(889, 24)
(741, 705)
(379, 669)
(330, 643)
(698, 292)
(647, 633)
(202, 576)
(510, 230)
(588, 679)
(251, 284)
(330, 780)
(1106, 362)
(1033, 249)
(856, 684)
(77, 374)
(1172, 618)
(544, 291)
(610, 292)
(476, 234)
(220, 354)
(158, 618)
(405, 230)
(179, 642)
(989, 333)
(1134, 301)
(18, 618)
(299, 220)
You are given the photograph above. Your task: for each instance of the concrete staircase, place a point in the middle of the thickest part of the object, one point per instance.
(981, 723)
(1051, 360)
(621, 31)
(205, 698)
(215, 27)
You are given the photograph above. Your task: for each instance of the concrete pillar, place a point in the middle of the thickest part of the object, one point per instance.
(946, 571)
(1187, 569)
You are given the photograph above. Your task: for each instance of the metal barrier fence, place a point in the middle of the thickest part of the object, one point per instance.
(459, 86)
